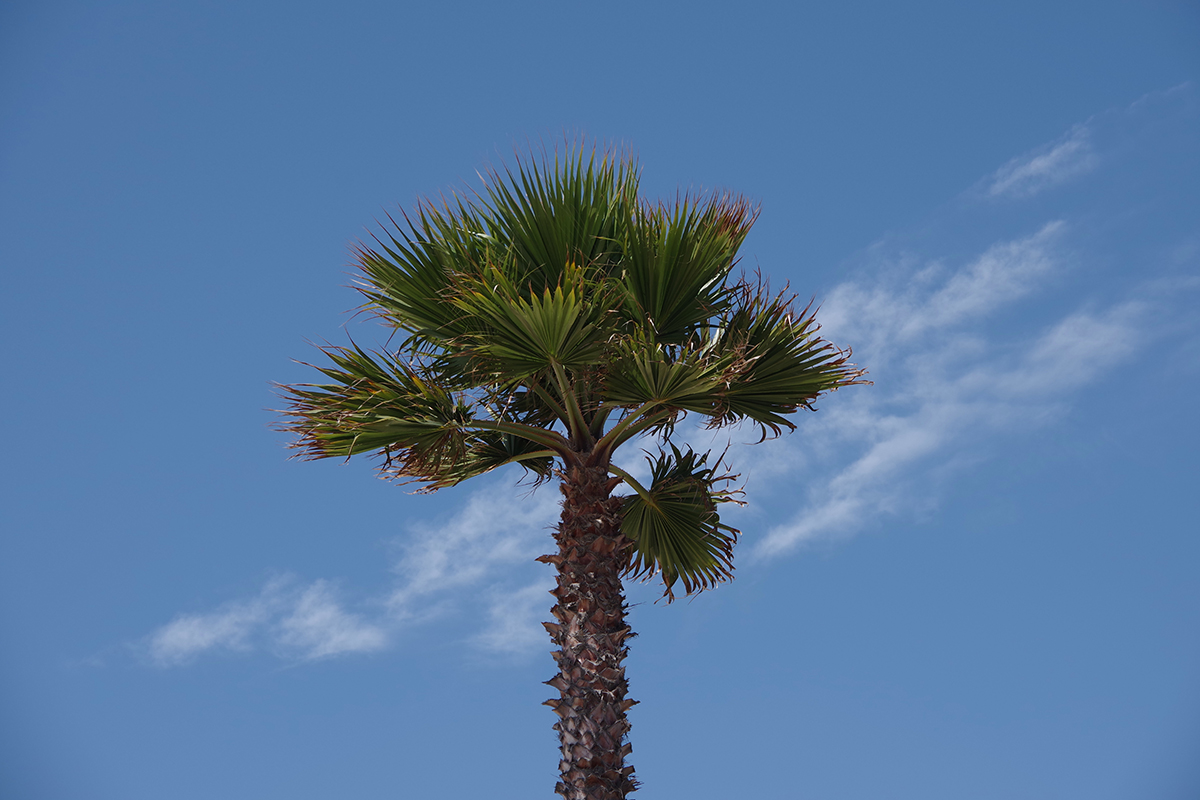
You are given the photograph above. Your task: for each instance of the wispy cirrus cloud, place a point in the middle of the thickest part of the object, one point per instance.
(1045, 167)
(513, 618)
(297, 622)
(939, 403)
(497, 527)
(970, 354)
(898, 305)
(230, 627)
(317, 626)
(482, 560)
(439, 568)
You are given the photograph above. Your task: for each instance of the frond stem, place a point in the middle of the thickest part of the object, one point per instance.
(633, 484)
(626, 429)
(530, 456)
(579, 427)
(549, 400)
(555, 442)
(624, 423)
(597, 426)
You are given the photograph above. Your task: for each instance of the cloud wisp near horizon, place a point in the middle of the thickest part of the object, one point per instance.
(966, 354)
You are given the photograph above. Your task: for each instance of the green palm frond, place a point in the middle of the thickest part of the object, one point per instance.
(490, 450)
(513, 335)
(642, 373)
(374, 402)
(674, 524)
(408, 276)
(759, 361)
(677, 259)
(378, 404)
(775, 363)
(548, 213)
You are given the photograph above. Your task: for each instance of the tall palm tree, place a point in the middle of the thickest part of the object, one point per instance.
(545, 321)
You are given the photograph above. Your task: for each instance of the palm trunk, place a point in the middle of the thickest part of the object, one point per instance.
(590, 632)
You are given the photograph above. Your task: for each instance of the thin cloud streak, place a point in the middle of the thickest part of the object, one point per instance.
(498, 527)
(497, 532)
(1045, 167)
(891, 310)
(300, 623)
(514, 619)
(942, 386)
(951, 373)
(318, 627)
(228, 628)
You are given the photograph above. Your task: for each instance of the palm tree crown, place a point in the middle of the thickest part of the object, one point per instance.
(545, 321)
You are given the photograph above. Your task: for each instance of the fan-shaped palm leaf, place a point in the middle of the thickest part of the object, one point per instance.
(775, 361)
(674, 524)
(676, 261)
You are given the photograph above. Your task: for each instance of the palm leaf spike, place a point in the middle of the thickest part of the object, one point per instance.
(546, 320)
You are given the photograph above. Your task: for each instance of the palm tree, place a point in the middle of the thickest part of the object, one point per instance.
(546, 321)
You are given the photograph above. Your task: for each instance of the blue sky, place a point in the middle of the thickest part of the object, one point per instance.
(974, 579)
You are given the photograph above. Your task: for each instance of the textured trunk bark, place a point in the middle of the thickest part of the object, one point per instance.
(590, 632)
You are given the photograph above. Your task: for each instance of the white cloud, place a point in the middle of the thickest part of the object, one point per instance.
(941, 385)
(498, 527)
(466, 560)
(951, 373)
(295, 622)
(231, 627)
(469, 559)
(904, 303)
(317, 626)
(1045, 167)
(514, 619)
